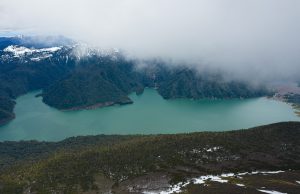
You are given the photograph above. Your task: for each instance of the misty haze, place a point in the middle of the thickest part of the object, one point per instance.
(149, 97)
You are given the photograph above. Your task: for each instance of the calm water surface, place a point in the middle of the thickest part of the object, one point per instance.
(150, 114)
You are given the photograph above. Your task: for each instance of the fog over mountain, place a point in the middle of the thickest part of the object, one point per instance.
(252, 39)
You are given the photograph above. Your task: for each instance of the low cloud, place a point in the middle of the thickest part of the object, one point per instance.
(252, 39)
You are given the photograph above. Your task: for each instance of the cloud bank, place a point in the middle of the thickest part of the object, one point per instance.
(257, 39)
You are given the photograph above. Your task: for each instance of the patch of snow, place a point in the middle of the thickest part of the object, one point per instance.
(270, 192)
(260, 172)
(213, 149)
(51, 49)
(174, 189)
(17, 51)
(216, 178)
(207, 149)
(41, 57)
(227, 175)
(82, 50)
(271, 172)
(198, 181)
(202, 179)
(242, 173)
(21, 50)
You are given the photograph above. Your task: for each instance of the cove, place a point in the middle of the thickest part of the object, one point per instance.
(149, 114)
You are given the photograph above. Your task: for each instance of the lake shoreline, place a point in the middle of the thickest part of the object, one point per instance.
(91, 107)
(149, 114)
(4, 122)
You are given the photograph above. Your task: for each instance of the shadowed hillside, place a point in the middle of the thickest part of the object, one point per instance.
(87, 163)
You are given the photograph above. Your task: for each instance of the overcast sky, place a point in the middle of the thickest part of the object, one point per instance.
(258, 38)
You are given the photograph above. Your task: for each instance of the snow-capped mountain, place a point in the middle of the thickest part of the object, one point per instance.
(16, 50)
(35, 54)
(21, 54)
(37, 42)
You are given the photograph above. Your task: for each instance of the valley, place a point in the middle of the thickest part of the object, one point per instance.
(72, 78)
(84, 120)
(149, 97)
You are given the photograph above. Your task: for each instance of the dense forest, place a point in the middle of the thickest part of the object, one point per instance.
(97, 163)
(105, 81)
(19, 75)
(96, 81)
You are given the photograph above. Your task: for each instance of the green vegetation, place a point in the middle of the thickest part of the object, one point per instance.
(187, 83)
(75, 165)
(20, 75)
(99, 80)
(107, 81)
(102, 80)
(6, 109)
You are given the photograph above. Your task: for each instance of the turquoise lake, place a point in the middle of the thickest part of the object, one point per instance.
(149, 114)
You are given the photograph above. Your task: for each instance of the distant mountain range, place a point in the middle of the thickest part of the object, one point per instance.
(35, 41)
(76, 76)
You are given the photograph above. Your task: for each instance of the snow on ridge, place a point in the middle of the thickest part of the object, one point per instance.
(260, 172)
(82, 50)
(21, 50)
(17, 51)
(216, 178)
(270, 192)
(41, 58)
(51, 49)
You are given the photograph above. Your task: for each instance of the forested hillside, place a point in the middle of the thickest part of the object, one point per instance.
(99, 78)
(108, 81)
(28, 72)
(116, 163)
(97, 81)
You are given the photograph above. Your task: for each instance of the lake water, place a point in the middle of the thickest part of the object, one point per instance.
(150, 114)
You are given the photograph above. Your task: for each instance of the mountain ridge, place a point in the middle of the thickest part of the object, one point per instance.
(78, 77)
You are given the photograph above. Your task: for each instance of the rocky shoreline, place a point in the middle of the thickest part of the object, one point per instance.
(289, 94)
(98, 105)
(7, 120)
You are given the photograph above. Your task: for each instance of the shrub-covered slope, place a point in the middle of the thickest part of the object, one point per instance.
(80, 166)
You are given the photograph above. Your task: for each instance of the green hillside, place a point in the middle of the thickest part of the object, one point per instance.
(88, 163)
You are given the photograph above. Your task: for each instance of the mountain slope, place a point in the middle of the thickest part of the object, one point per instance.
(76, 77)
(188, 83)
(97, 81)
(23, 70)
(110, 81)
(95, 163)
